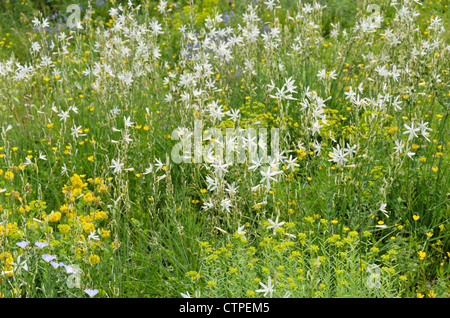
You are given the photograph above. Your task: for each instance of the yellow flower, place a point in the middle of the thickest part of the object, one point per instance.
(6, 258)
(10, 228)
(9, 175)
(77, 182)
(193, 275)
(89, 228)
(102, 188)
(422, 255)
(55, 217)
(419, 295)
(9, 270)
(88, 197)
(115, 245)
(99, 215)
(431, 294)
(250, 293)
(64, 208)
(80, 251)
(64, 228)
(94, 259)
(416, 217)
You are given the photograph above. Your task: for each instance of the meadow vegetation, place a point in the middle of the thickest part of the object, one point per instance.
(354, 204)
